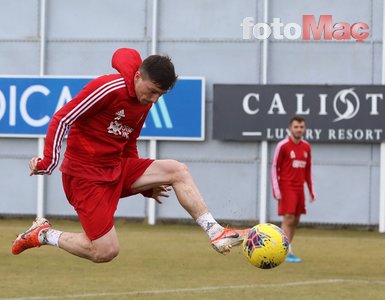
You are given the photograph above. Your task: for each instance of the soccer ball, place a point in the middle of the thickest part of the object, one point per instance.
(265, 246)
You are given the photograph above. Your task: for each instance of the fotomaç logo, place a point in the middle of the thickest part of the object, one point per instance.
(310, 30)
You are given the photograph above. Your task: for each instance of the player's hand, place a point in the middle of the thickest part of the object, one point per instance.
(33, 165)
(160, 191)
(312, 199)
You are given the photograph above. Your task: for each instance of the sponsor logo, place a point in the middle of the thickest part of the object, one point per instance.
(350, 105)
(299, 164)
(332, 112)
(118, 128)
(346, 104)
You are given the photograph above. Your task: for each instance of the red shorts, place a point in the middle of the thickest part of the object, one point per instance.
(292, 202)
(96, 201)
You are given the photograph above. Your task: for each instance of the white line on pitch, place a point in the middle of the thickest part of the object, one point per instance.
(203, 289)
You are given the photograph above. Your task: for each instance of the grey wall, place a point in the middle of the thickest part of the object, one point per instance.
(204, 38)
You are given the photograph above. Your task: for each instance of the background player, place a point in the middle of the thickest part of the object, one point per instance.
(291, 167)
(102, 165)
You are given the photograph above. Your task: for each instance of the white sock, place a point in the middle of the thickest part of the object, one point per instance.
(50, 237)
(209, 225)
(290, 250)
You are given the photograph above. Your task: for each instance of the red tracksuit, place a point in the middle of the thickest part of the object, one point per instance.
(291, 168)
(101, 160)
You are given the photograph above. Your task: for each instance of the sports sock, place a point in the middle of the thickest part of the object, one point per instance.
(209, 225)
(50, 237)
(290, 250)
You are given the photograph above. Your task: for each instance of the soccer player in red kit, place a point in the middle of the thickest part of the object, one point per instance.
(101, 163)
(290, 169)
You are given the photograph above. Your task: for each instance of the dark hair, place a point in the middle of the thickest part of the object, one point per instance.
(299, 119)
(160, 70)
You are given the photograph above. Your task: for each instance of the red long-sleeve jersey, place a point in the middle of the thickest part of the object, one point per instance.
(105, 120)
(291, 167)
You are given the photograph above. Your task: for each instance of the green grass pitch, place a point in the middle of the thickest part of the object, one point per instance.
(177, 262)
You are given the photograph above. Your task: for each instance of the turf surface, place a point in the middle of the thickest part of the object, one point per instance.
(177, 262)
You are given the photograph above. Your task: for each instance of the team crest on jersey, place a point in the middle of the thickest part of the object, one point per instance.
(292, 154)
(118, 128)
(305, 154)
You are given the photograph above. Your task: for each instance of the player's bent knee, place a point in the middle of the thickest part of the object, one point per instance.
(105, 255)
(180, 169)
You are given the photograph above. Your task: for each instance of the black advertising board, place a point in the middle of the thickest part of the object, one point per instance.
(333, 113)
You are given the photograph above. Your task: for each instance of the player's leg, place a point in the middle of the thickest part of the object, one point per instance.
(289, 224)
(171, 172)
(95, 204)
(291, 207)
(103, 249)
(296, 208)
(176, 174)
(41, 233)
(288, 208)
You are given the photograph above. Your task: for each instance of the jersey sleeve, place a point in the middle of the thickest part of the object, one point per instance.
(275, 171)
(88, 102)
(308, 175)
